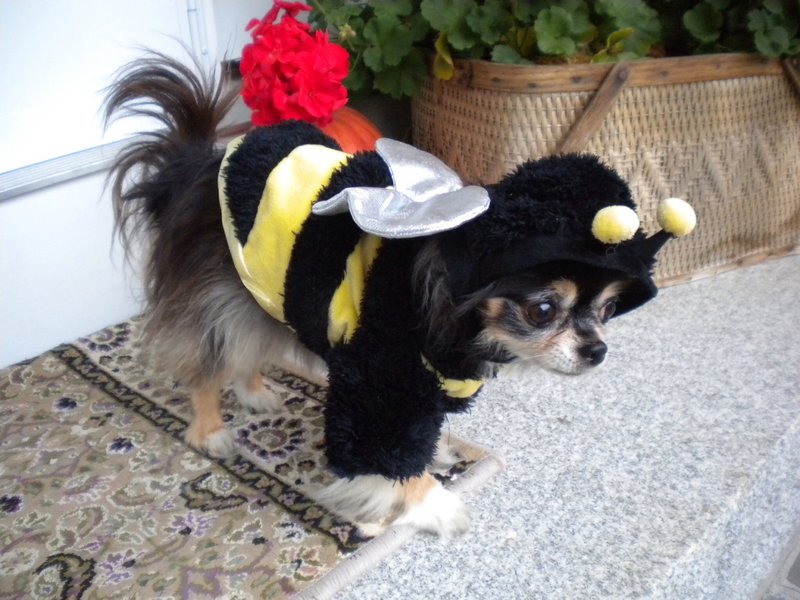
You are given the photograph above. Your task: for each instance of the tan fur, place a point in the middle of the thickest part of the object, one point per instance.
(567, 290)
(207, 414)
(416, 489)
(255, 383)
(554, 346)
(611, 291)
(494, 308)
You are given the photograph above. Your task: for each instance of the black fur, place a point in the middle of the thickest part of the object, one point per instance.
(165, 189)
(384, 408)
(262, 149)
(541, 213)
(322, 246)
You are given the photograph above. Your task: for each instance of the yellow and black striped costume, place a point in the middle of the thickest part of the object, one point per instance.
(344, 292)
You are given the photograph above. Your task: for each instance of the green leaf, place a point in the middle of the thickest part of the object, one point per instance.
(418, 27)
(450, 17)
(570, 5)
(526, 11)
(389, 42)
(476, 52)
(773, 6)
(359, 79)
(490, 21)
(403, 80)
(603, 57)
(704, 22)
(764, 20)
(502, 53)
(552, 32)
(719, 4)
(395, 8)
(523, 40)
(615, 47)
(636, 14)
(464, 38)
(445, 15)
(773, 33)
(582, 28)
(773, 42)
(334, 14)
(758, 20)
(619, 36)
(559, 31)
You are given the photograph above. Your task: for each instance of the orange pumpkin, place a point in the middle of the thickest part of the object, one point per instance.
(352, 130)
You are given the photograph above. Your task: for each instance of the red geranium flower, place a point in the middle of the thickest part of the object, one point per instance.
(290, 73)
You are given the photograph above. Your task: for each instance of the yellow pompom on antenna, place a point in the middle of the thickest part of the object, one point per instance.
(615, 224)
(676, 216)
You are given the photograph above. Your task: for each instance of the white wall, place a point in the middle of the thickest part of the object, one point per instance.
(60, 276)
(57, 56)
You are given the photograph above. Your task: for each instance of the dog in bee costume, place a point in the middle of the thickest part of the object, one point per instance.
(410, 287)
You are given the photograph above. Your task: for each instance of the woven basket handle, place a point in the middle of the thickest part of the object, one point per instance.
(791, 67)
(597, 108)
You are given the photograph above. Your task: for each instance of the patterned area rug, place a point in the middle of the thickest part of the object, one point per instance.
(100, 497)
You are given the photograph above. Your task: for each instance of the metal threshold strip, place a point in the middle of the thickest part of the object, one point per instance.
(37, 176)
(57, 170)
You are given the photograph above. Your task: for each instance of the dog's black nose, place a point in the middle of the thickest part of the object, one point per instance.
(594, 353)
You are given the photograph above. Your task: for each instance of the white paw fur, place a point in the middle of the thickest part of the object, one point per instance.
(365, 499)
(219, 444)
(374, 502)
(441, 512)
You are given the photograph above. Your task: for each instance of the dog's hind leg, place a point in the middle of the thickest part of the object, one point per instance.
(207, 431)
(253, 393)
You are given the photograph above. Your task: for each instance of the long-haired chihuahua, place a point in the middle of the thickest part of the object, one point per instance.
(245, 270)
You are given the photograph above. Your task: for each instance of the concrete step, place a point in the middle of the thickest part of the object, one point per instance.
(672, 472)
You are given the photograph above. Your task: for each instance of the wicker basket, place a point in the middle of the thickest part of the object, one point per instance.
(721, 131)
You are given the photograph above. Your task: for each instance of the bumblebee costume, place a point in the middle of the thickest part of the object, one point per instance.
(326, 243)
(317, 274)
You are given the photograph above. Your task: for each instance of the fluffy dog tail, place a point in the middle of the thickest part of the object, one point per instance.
(157, 179)
(164, 184)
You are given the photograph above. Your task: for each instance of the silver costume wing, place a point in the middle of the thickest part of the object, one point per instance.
(428, 196)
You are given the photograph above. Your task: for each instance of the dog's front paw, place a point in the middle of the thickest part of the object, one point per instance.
(258, 398)
(217, 444)
(440, 512)
(446, 456)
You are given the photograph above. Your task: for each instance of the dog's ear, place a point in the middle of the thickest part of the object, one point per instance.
(433, 297)
(446, 318)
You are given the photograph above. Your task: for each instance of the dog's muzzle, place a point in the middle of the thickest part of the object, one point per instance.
(593, 353)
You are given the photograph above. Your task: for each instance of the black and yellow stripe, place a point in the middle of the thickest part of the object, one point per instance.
(307, 271)
(284, 207)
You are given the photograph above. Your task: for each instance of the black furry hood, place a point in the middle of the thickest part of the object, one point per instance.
(541, 213)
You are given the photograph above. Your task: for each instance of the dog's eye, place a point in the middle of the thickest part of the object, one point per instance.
(608, 310)
(542, 314)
